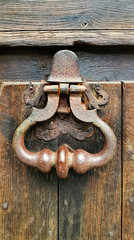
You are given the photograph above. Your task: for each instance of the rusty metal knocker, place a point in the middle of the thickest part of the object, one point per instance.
(65, 92)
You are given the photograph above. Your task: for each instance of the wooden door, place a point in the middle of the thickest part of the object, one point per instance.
(97, 205)
(34, 205)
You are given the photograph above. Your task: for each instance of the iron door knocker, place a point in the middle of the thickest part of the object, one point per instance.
(64, 93)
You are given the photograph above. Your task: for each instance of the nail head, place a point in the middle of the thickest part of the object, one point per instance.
(111, 234)
(130, 200)
(5, 205)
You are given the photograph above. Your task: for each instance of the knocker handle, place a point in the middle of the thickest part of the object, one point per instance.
(65, 90)
(65, 158)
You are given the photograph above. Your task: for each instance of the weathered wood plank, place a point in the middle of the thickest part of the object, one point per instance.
(47, 23)
(67, 38)
(55, 15)
(128, 161)
(30, 195)
(90, 204)
(34, 64)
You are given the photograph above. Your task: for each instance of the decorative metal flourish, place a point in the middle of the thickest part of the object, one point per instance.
(94, 102)
(51, 129)
(34, 95)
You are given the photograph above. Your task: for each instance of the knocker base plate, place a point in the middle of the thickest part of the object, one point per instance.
(56, 126)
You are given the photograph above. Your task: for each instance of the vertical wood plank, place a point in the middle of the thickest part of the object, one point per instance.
(90, 204)
(128, 162)
(28, 198)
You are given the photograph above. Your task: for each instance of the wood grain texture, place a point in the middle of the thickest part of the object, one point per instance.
(96, 64)
(67, 38)
(28, 198)
(90, 204)
(47, 23)
(128, 162)
(55, 15)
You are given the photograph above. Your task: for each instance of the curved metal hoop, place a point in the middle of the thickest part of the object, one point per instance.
(65, 157)
(83, 160)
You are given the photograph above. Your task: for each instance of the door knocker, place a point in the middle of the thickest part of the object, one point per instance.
(69, 103)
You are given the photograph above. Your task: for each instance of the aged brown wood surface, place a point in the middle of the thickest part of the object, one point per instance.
(128, 161)
(49, 15)
(64, 22)
(28, 198)
(67, 38)
(96, 64)
(90, 204)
